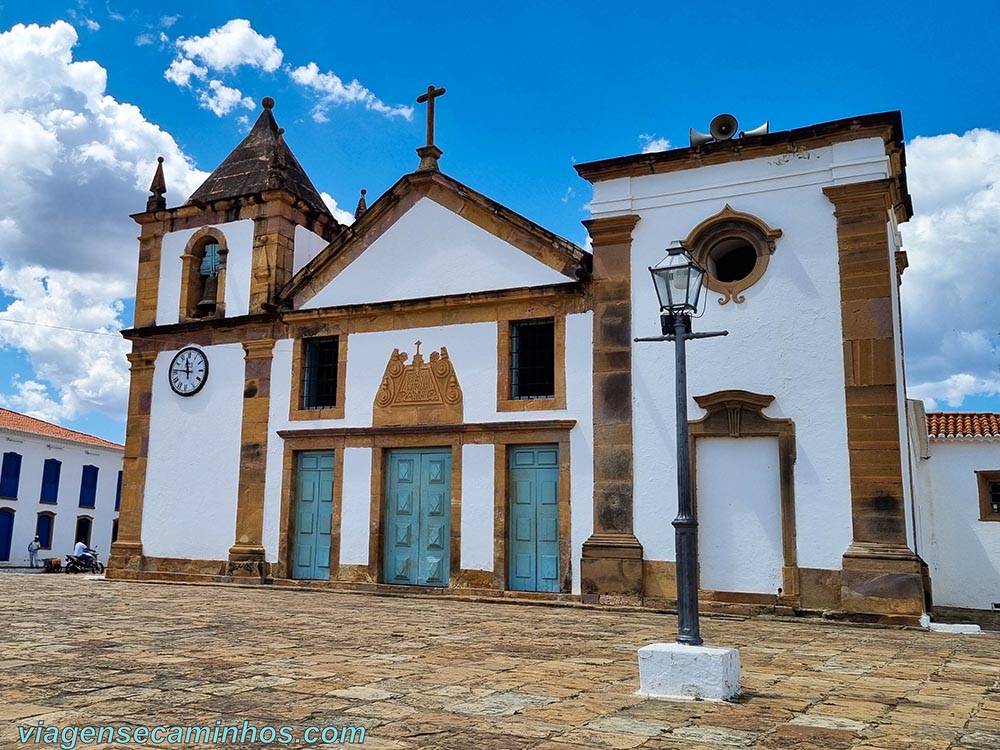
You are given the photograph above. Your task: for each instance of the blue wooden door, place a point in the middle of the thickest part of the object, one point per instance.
(418, 517)
(533, 527)
(6, 531)
(313, 515)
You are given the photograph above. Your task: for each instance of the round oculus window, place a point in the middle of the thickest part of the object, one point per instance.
(732, 259)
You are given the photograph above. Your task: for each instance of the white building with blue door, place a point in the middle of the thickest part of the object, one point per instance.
(58, 484)
(445, 395)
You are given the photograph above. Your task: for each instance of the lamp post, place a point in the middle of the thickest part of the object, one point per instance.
(678, 281)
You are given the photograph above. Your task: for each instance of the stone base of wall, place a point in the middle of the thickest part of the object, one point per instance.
(611, 570)
(882, 580)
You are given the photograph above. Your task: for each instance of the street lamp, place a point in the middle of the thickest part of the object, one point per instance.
(678, 281)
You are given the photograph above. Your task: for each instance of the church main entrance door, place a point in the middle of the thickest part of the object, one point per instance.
(533, 547)
(418, 517)
(313, 515)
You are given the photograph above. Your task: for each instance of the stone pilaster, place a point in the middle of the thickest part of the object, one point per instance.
(147, 284)
(246, 556)
(611, 568)
(881, 575)
(126, 552)
(273, 249)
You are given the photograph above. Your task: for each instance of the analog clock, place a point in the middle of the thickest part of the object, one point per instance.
(188, 371)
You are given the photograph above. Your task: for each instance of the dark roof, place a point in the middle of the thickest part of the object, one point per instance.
(261, 162)
(944, 424)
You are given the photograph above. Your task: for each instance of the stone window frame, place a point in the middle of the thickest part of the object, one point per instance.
(90, 535)
(984, 479)
(191, 286)
(737, 414)
(504, 401)
(729, 224)
(325, 331)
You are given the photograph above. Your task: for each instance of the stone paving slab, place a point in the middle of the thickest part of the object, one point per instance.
(436, 674)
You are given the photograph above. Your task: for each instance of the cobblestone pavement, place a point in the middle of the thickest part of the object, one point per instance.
(425, 673)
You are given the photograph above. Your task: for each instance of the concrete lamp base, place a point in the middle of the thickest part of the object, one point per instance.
(679, 672)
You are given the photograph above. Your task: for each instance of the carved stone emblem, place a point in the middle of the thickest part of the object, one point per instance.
(421, 392)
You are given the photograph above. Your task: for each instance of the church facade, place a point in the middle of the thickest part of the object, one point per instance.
(445, 395)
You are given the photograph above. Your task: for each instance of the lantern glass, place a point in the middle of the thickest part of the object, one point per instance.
(678, 281)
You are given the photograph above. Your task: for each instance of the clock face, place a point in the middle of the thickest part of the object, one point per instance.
(188, 371)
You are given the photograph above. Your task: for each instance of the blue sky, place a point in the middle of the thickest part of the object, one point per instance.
(532, 89)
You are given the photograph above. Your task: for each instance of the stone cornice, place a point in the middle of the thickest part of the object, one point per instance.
(612, 230)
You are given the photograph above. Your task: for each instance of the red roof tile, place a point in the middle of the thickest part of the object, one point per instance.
(947, 424)
(11, 420)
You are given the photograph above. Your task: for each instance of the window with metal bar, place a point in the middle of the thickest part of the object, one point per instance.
(532, 359)
(995, 498)
(319, 372)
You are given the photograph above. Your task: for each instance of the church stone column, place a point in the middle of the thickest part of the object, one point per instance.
(246, 556)
(881, 574)
(611, 568)
(126, 552)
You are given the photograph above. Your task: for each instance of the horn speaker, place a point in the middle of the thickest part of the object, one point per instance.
(698, 139)
(723, 127)
(762, 130)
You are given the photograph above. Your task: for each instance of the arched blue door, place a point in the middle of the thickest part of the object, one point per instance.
(6, 531)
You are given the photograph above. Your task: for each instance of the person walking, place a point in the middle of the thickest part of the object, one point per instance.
(33, 546)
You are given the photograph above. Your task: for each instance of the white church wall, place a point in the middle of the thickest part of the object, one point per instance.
(189, 507)
(739, 507)
(34, 451)
(784, 340)
(355, 520)
(963, 552)
(455, 257)
(239, 239)
(473, 352)
(477, 507)
(307, 246)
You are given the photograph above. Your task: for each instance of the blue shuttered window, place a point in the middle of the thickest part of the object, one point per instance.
(88, 487)
(50, 481)
(10, 475)
(118, 493)
(43, 530)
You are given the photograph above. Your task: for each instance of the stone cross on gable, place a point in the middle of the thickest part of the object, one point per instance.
(429, 97)
(430, 153)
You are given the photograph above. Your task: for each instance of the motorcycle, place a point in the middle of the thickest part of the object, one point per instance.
(88, 562)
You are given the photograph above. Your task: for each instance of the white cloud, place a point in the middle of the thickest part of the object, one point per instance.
(344, 217)
(142, 40)
(114, 15)
(331, 90)
(74, 163)
(221, 99)
(182, 70)
(952, 330)
(167, 21)
(91, 24)
(651, 144)
(231, 45)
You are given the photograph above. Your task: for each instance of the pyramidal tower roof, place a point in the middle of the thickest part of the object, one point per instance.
(261, 162)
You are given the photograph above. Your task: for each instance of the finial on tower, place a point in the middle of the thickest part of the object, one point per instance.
(362, 205)
(430, 153)
(267, 102)
(156, 201)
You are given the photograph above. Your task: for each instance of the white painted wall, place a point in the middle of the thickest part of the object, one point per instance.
(34, 450)
(963, 553)
(739, 514)
(431, 251)
(192, 475)
(355, 519)
(784, 340)
(477, 507)
(307, 246)
(473, 352)
(239, 238)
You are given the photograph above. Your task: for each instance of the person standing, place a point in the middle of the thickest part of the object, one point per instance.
(33, 546)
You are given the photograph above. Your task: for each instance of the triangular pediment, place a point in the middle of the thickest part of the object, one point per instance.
(430, 236)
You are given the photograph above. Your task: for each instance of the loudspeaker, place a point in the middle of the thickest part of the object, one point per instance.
(698, 139)
(723, 127)
(762, 130)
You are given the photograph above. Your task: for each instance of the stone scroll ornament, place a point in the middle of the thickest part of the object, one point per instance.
(421, 392)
